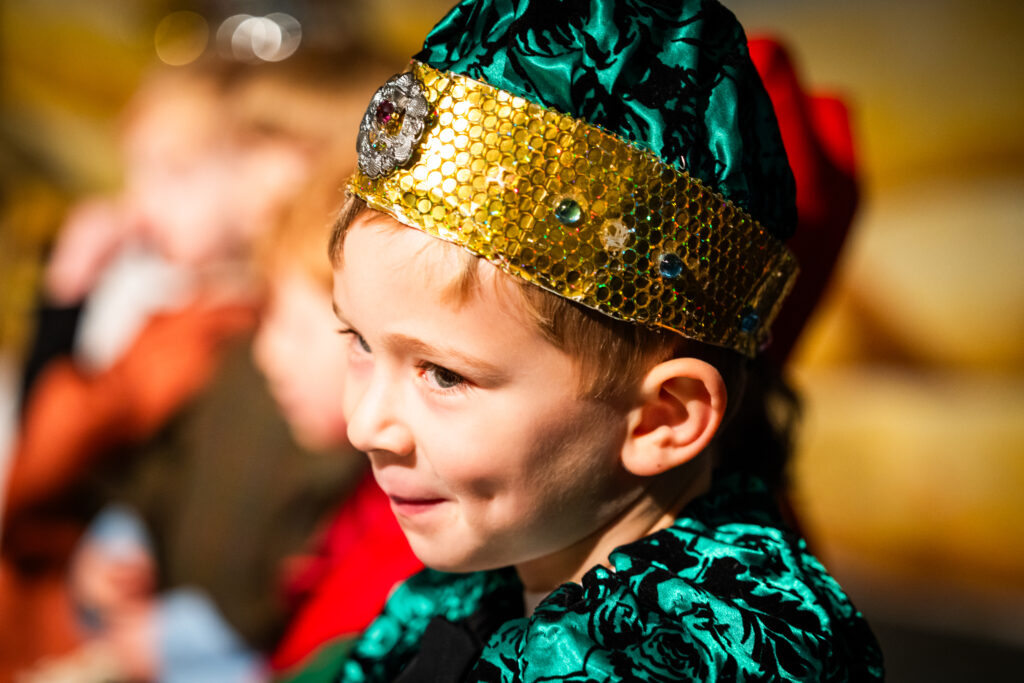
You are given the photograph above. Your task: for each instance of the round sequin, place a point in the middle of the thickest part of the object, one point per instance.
(614, 234)
(569, 212)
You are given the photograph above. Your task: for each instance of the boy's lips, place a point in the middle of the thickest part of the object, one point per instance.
(407, 497)
(407, 507)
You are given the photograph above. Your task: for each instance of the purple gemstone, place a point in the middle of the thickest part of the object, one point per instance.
(384, 111)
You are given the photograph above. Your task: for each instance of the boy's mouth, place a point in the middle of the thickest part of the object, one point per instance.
(408, 507)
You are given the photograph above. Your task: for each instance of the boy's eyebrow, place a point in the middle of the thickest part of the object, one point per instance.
(483, 372)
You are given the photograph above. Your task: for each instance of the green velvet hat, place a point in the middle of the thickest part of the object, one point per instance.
(621, 154)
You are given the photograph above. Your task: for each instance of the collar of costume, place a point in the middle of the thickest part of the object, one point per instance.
(569, 207)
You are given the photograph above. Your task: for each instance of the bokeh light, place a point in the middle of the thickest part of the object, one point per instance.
(248, 38)
(181, 37)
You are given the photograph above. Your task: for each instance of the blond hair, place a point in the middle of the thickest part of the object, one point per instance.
(612, 355)
(296, 241)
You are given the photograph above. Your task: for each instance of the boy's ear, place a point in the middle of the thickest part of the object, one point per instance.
(682, 403)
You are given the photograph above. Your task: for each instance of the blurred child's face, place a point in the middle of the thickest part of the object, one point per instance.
(297, 348)
(471, 418)
(178, 174)
(198, 192)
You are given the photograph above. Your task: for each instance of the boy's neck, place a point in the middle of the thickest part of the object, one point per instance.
(655, 508)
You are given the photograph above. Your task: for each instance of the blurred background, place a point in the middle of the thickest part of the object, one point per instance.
(911, 460)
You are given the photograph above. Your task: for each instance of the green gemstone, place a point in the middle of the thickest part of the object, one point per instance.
(568, 212)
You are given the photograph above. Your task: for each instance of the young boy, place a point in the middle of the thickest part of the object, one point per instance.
(556, 409)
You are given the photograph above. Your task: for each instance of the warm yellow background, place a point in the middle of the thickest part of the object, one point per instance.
(910, 476)
(912, 466)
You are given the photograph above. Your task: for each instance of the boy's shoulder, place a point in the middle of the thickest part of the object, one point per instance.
(427, 607)
(727, 591)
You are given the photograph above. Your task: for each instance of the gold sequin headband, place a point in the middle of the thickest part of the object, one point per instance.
(569, 207)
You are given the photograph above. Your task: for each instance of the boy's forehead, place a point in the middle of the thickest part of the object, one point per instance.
(391, 245)
(455, 275)
(363, 219)
(391, 289)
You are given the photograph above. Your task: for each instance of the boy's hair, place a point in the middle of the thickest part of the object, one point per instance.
(296, 241)
(612, 355)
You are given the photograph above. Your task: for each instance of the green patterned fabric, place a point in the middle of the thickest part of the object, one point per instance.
(727, 593)
(323, 665)
(672, 77)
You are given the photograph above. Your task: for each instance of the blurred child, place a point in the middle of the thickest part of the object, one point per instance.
(218, 513)
(84, 409)
(210, 159)
(558, 406)
(362, 553)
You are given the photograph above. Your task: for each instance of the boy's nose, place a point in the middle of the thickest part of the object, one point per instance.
(374, 424)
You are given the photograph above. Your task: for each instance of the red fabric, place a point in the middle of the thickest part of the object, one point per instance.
(819, 143)
(37, 619)
(363, 555)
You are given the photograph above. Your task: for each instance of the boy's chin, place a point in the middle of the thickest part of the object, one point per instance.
(444, 563)
(441, 557)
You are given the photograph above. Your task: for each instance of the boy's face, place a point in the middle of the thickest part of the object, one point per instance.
(471, 419)
(296, 348)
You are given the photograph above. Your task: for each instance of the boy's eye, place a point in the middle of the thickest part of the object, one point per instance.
(443, 378)
(358, 339)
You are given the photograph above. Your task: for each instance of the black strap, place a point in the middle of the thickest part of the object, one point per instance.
(448, 650)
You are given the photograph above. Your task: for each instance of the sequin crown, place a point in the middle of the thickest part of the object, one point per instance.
(570, 207)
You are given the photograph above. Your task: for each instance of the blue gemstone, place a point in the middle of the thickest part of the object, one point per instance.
(568, 212)
(749, 321)
(670, 266)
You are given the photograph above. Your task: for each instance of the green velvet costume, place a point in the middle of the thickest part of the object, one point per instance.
(727, 593)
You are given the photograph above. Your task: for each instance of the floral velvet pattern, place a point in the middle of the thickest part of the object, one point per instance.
(725, 594)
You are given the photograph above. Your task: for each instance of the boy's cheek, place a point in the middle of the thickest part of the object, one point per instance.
(356, 378)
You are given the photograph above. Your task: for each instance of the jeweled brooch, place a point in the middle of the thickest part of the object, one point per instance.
(392, 125)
